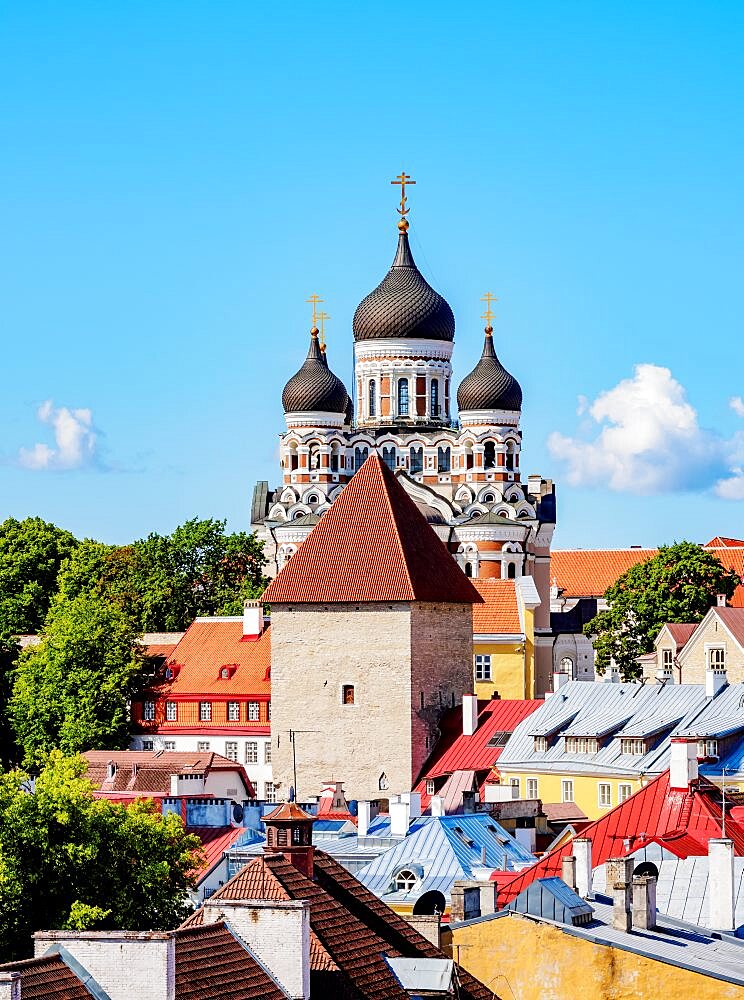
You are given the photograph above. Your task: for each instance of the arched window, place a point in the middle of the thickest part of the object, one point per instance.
(405, 880)
(416, 460)
(435, 397)
(511, 571)
(468, 569)
(312, 498)
(372, 398)
(360, 457)
(403, 397)
(468, 456)
(383, 784)
(443, 459)
(510, 455)
(567, 666)
(388, 457)
(489, 455)
(294, 458)
(489, 498)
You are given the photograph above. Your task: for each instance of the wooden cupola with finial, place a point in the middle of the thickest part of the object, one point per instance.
(289, 831)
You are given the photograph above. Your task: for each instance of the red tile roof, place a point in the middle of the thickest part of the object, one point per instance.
(149, 771)
(210, 644)
(373, 544)
(351, 929)
(48, 978)
(680, 820)
(456, 752)
(211, 964)
(589, 572)
(499, 612)
(721, 542)
(215, 841)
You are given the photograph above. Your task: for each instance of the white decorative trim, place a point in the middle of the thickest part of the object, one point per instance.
(402, 347)
(314, 418)
(490, 418)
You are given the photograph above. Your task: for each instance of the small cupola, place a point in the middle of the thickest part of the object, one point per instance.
(489, 386)
(314, 388)
(289, 831)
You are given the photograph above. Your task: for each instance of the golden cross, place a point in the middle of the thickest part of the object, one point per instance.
(315, 299)
(488, 315)
(322, 316)
(403, 178)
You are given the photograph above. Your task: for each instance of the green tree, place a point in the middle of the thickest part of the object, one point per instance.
(72, 690)
(68, 859)
(31, 552)
(679, 584)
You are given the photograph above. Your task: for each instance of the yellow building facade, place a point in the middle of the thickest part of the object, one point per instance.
(504, 639)
(518, 956)
(594, 794)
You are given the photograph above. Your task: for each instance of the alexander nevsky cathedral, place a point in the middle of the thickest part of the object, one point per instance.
(462, 471)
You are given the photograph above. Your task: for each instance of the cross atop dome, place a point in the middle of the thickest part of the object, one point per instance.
(402, 179)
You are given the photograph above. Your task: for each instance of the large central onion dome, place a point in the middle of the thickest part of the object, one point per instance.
(404, 304)
(314, 387)
(489, 386)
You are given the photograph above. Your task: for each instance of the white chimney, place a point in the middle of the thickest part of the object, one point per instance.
(125, 964)
(174, 784)
(399, 817)
(469, 714)
(10, 986)
(721, 916)
(720, 600)
(110, 771)
(276, 931)
(683, 766)
(414, 803)
(437, 805)
(252, 619)
(364, 817)
(582, 851)
(560, 677)
(715, 682)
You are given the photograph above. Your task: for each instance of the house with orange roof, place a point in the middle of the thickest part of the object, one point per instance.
(212, 693)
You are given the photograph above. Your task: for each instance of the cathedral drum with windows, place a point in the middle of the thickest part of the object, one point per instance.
(463, 474)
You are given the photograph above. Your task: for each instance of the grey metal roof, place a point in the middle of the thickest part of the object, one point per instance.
(720, 716)
(585, 708)
(552, 898)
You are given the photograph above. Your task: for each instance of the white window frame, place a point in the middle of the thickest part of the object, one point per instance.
(624, 791)
(254, 711)
(202, 746)
(541, 744)
(233, 711)
(148, 711)
(533, 788)
(715, 657)
(231, 750)
(251, 752)
(567, 790)
(483, 667)
(267, 752)
(633, 746)
(269, 791)
(430, 786)
(604, 795)
(667, 661)
(707, 747)
(169, 744)
(205, 711)
(171, 711)
(148, 744)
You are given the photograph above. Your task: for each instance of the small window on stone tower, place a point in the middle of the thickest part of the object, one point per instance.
(383, 783)
(416, 460)
(510, 454)
(347, 694)
(388, 457)
(443, 459)
(489, 455)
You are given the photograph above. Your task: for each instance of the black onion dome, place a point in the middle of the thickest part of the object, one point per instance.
(314, 386)
(404, 305)
(489, 386)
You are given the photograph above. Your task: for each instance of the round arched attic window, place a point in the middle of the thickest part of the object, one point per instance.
(405, 880)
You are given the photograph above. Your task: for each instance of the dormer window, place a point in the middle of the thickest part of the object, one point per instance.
(633, 746)
(666, 662)
(541, 744)
(169, 675)
(227, 670)
(707, 748)
(582, 744)
(405, 880)
(717, 658)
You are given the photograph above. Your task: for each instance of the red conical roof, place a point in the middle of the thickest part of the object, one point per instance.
(372, 545)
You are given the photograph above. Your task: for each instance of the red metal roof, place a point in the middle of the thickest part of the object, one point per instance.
(456, 752)
(499, 612)
(680, 632)
(373, 544)
(215, 840)
(681, 820)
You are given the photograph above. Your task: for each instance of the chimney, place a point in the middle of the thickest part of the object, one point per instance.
(252, 619)
(110, 771)
(400, 813)
(644, 902)
(125, 964)
(619, 879)
(582, 848)
(414, 803)
(560, 677)
(469, 714)
(10, 986)
(568, 871)
(715, 681)
(721, 916)
(174, 784)
(720, 600)
(437, 805)
(683, 766)
(465, 900)
(276, 931)
(364, 817)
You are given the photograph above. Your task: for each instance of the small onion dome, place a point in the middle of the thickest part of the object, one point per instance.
(404, 304)
(349, 411)
(314, 387)
(489, 386)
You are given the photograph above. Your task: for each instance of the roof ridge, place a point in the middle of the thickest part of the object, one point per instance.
(394, 516)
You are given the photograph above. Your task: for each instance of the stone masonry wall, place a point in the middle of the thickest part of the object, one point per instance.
(695, 662)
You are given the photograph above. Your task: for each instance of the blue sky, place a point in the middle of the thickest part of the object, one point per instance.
(177, 178)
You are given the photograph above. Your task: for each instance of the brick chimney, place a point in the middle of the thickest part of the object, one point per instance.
(289, 831)
(644, 902)
(619, 878)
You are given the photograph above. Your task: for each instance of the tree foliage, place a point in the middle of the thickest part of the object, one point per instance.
(69, 860)
(72, 691)
(31, 552)
(679, 584)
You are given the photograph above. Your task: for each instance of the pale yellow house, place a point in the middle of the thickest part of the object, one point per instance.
(683, 652)
(504, 638)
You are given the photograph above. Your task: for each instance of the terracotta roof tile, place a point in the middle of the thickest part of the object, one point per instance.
(373, 544)
(211, 964)
(721, 542)
(149, 771)
(210, 644)
(48, 978)
(499, 613)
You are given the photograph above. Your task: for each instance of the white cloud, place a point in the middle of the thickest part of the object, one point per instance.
(737, 405)
(75, 440)
(648, 440)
